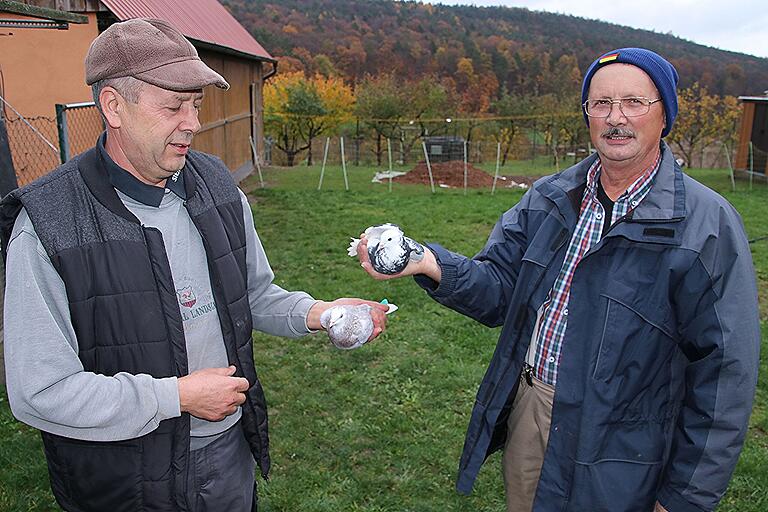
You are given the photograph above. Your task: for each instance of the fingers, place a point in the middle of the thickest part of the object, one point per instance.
(362, 250)
(239, 399)
(241, 385)
(379, 323)
(226, 372)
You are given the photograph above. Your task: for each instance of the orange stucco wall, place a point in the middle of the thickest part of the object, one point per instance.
(42, 67)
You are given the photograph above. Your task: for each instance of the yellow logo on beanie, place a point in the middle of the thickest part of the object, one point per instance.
(608, 58)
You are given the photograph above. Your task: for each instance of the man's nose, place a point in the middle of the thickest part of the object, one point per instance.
(190, 123)
(616, 116)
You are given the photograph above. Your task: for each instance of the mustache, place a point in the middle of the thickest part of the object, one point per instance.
(616, 131)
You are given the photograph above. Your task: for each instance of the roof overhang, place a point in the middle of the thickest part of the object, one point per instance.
(753, 98)
(205, 45)
(46, 18)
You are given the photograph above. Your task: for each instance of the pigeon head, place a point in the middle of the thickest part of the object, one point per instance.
(390, 254)
(336, 315)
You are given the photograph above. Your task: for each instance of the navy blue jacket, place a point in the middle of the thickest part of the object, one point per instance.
(660, 356)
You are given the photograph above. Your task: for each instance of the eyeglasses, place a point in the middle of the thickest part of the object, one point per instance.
(630, 107)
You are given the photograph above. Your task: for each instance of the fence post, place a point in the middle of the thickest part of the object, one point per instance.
(730, 167)
(61, 124)
(8, 179)
(751, 164)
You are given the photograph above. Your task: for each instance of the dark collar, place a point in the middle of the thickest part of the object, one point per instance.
(127, 183)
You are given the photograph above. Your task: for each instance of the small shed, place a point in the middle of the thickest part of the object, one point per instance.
(752, 150)
(41, 69)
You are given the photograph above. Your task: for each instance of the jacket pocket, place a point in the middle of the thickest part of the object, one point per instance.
(614, 485)
(637, 331)
(102, 476)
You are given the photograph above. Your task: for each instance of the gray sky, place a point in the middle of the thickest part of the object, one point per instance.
(736, 25)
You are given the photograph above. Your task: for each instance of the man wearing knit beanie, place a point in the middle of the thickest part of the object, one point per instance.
(625, 371)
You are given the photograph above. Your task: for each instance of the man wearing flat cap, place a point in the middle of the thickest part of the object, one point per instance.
(626, 367)
(134, 278)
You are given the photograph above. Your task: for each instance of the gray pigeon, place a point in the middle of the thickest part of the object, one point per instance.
(388, 248)
(348, 327)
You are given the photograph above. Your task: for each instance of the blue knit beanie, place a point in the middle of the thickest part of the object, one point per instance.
(662, 73)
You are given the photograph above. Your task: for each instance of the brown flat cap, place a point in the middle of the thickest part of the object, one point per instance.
(152, 51)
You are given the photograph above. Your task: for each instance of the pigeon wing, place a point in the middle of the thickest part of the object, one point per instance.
(416, 249)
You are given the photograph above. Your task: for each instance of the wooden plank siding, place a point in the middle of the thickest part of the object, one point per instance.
(745, 135)
(228, 117)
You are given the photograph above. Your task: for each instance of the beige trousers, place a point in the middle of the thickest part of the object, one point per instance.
(523, 456)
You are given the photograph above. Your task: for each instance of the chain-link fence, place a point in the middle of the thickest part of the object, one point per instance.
(33, 146)
(374, 152)
(40, 144)
(79, 125)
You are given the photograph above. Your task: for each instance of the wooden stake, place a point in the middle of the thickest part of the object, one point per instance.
(256, 160)
(389, 156)
(465, 167)
(344, 164)
(429, 166)
(325, 159)
(730, 167)
(496, 176)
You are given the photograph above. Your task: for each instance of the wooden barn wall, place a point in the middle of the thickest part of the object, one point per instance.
(745, 133)
(226, 116)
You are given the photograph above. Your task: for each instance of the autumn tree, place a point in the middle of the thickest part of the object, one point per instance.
(426, 100)
(381, 103)
(702, 119)
(298, 109)
(513, 110)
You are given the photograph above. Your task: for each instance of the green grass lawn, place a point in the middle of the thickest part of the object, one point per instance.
(381, 428)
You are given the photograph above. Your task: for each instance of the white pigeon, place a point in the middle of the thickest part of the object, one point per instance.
(388, 248)
(348, 327)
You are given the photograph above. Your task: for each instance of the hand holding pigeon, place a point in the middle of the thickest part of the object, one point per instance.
(349, 326)
(389, 250)
(386, 253)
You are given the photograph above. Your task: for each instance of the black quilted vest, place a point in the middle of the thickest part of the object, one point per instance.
(125, 314)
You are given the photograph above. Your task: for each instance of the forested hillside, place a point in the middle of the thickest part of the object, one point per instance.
(523, 52)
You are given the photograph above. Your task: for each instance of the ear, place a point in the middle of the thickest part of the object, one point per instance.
(112, 105)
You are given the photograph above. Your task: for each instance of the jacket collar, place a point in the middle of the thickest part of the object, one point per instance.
(665, 201)
(129, 185)
(94, 171)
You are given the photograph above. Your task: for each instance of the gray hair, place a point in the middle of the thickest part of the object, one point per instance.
(128, 87)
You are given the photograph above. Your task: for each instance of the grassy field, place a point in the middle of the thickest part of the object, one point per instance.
(381, 428)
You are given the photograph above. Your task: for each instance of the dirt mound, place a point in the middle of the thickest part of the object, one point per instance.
(452, 174)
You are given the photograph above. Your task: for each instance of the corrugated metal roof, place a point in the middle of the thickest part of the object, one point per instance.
(202, 20)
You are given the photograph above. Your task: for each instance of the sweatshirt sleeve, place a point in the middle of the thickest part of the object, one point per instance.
(274, 310)
(47, 385)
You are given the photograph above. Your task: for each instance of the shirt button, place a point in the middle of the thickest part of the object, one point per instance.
(599, 216)
(565, 312)
(634, 203)
(551, 359)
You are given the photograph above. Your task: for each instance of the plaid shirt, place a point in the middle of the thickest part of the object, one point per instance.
(589, 227)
